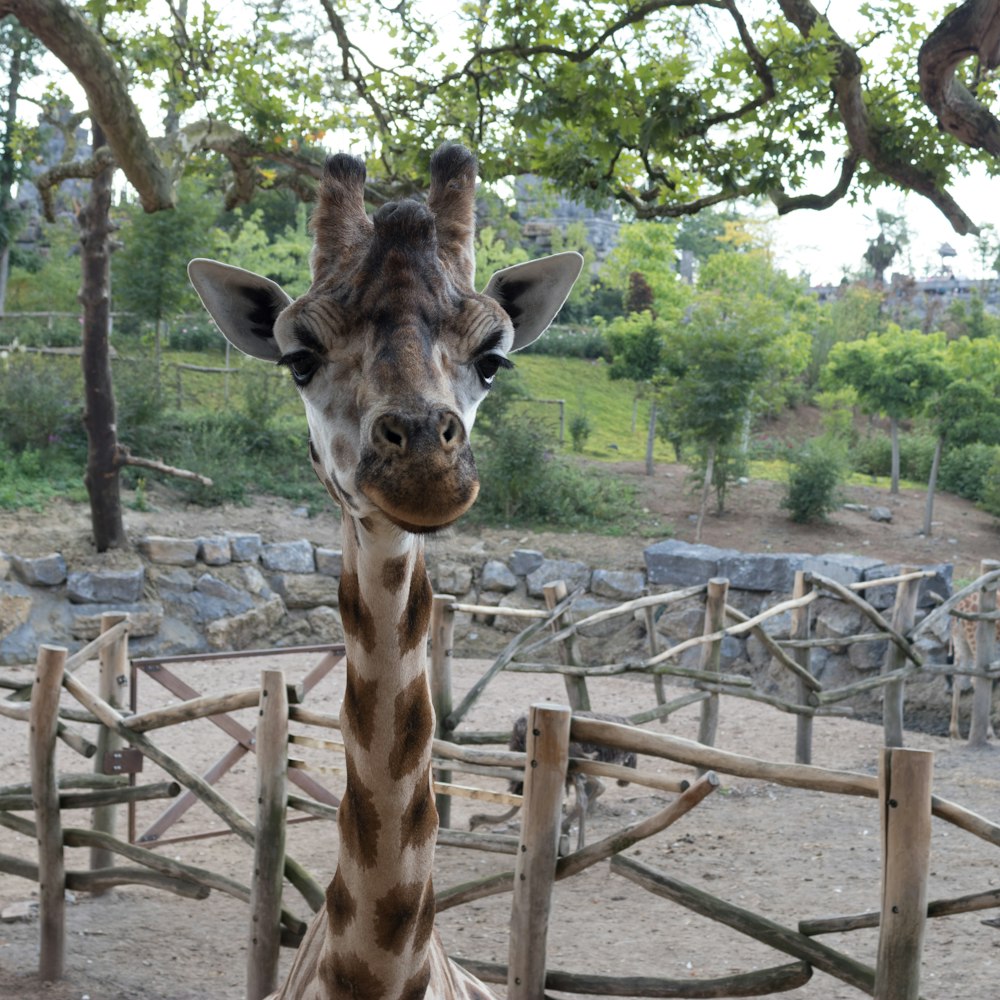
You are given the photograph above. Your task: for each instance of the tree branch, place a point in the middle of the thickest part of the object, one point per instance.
(970, 29)
(786, 203)
(864, 138)
(125, 457)
(66, 34)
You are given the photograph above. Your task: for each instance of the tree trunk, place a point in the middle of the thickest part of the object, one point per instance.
(705, 489)
(651, 437)
(102, 481)
(894, 437)
(932, 486)
(7, 161)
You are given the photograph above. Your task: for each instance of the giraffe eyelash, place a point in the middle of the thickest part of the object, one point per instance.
(302, 365)
(487, 365)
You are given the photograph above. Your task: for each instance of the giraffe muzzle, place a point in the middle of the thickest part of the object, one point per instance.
(419, 470)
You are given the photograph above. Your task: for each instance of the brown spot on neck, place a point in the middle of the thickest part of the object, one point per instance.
(415, 988)
(350, 977)
(341, 907)
(358, 821)
(420, 818)
(413, 728)
(359, 623)
(360, 699)
(394, 573)
(396, 916)
(416, 618)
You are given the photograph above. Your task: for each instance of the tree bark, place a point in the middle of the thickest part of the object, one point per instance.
(932, 486)
(651, 436)
(706, 486)
(7, 163)
(894, 437)
(101, 478)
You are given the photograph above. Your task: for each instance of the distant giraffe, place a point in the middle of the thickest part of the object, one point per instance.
(392, 351)
(963, 650)
(586, 787)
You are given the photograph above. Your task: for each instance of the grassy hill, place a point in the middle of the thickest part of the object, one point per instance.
(587, 391)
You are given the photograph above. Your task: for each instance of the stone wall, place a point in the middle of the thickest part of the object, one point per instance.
(236, 591)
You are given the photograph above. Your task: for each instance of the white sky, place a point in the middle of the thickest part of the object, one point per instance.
(823, 245)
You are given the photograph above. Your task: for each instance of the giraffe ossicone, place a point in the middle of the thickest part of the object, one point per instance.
(392, 351)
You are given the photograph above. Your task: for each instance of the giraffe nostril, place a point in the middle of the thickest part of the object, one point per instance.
(449, 429)
(390, 433)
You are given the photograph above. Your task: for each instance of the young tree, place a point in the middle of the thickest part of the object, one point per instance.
(893, 373)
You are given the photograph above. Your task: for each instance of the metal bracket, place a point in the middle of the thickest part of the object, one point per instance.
(127, 760)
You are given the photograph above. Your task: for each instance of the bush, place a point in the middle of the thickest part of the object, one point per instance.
(525, 482)
(966, 471)
(872, 455)
(991, 487)
(579, 431)
(571, 342)
(814, 480)
(40, 401)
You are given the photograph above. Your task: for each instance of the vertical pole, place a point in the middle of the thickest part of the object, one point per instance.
(800, 630)
(903, 613)
(905, 805)
(982, 687)
(43, 716)
(576, 687)
(654, 647)
(711, 657)
(269, 839)
(111, 687)
(534, 871)
(442, 641)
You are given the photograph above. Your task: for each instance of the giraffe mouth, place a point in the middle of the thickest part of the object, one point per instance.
(424, 493)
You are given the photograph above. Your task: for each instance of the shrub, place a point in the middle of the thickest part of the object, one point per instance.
(579, 431)
(991, 486)
(966, 471)
(525, 482)
(571, 342)
(872, 455)
(39, 401)
(813, 481)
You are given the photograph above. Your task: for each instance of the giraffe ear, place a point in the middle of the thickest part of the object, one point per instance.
(533, 292)
(244, 305)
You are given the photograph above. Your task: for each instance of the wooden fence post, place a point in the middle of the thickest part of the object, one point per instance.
(653, 640)
(982, 687)
(534, 871)
(442, 641)
(43, 718)
(576, 687)
(905, 806)
(711, 657)
(903, 613)
(269, 839)
(111, 687)
(800, 630)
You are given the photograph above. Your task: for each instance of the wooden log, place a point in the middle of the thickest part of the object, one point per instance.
(99, 798)
(45, 785)
(946, 607)
(622, 840)
(506, 656)
(225, 810)
(935, 908)
(905, 805)
(492, 610)
(112, 679)
(667, 708)
(800, 630)
(760, 982)
(711, 656)
(846, 594)
(775, 648)
(849, 690)
(544, 781)
(775, 935)
(70, 781)
(904, 610)
(193, 708)
(982, 687)
(495, 843)
(442, 631)
(653, 641)
(629, 775)
(269, 843)
(576, 686)
(310, 717)
(885, 581)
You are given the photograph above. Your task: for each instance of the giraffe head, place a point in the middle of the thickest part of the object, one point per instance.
(391, 348)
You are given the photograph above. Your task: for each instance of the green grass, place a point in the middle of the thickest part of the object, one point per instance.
(587, 390)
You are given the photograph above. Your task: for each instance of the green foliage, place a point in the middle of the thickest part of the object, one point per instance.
(579, 431)
(283, 258)
(647, 248)
(525, 482)
(150, 271)
(54, 286)
(871, 455)
(991, 487)
(730, 464)
(571, 342)
(814, 480)
(495, 252)
(40, 402)
(636, 342)
(969, 471)
(31, 478)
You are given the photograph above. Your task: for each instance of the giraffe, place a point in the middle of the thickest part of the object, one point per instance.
(962, 640)
(392, 351)
(586, 787)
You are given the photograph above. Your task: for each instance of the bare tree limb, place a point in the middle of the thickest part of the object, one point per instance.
(125, 457)
(787, 203)
(972, 29)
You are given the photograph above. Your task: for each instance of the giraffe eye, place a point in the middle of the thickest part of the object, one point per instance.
(302, 365)
(488, 365)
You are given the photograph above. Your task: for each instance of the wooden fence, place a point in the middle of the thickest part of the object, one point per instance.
(903, 787)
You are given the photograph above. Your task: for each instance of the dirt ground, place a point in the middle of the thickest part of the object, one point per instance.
(783, 853)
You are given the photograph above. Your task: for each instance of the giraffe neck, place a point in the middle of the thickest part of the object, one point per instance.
(380, 904)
